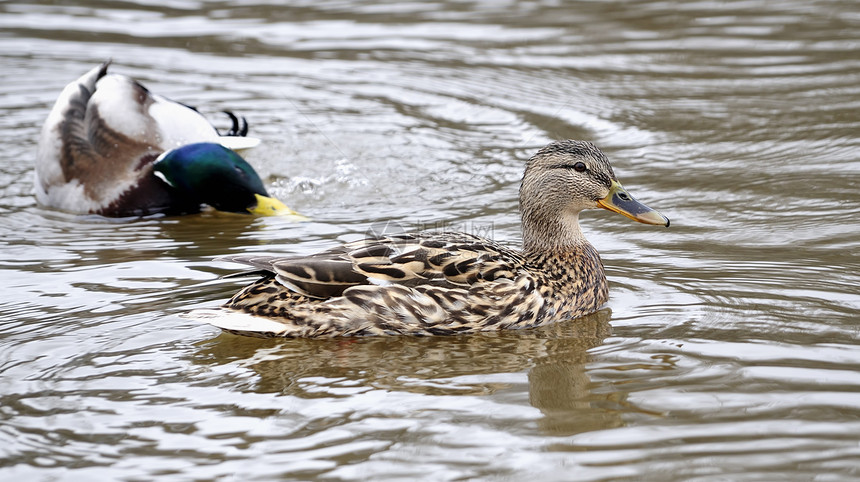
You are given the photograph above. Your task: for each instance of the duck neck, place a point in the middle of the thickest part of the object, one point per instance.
(552, 235)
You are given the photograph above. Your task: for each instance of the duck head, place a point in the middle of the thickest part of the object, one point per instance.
(212, 174)
(563, 179)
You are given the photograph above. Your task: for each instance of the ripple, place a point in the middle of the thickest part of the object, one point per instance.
(729, 351)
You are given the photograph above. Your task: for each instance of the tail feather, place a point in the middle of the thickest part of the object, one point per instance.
(238, 323)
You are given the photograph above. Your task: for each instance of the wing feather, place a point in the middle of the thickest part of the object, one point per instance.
(434, 259)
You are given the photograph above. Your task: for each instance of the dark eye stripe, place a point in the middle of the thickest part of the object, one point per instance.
(578, 167)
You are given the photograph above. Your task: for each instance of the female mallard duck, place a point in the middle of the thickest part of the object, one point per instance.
(445, 283)
(111, 147)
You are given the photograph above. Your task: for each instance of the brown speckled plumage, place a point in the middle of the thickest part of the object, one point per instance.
(440, 283)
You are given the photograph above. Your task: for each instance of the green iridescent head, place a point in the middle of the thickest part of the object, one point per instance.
(215, 175)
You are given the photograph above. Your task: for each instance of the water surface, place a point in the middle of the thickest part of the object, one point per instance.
(729, 348)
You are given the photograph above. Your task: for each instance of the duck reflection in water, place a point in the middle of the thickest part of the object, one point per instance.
(553, 356)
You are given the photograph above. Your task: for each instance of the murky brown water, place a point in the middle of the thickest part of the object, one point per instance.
(729, 349)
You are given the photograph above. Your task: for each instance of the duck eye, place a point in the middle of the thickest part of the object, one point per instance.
(579, 167)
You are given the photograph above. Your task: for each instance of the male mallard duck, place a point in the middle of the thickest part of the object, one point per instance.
(444, 283)
(112, 147)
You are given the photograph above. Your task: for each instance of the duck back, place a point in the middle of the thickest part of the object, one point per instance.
(98, 144)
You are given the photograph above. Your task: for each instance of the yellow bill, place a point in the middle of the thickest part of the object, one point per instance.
(269, 206)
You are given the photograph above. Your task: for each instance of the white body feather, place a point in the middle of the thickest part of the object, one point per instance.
(238, 322)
